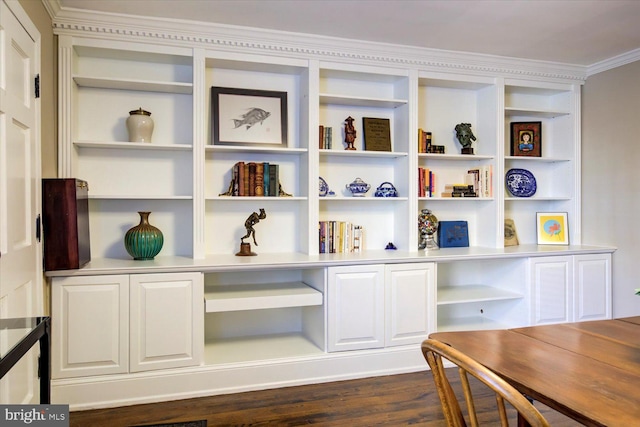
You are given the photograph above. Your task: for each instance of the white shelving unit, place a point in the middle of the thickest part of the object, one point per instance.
(443, 102)
(557, 170)
(481, 294)
(358, 92)
(253, 316)
(106, 80)
(287, 217)
(267, 321)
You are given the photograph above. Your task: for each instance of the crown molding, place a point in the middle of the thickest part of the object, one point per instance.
(52, 7)
(305, 46)
(616, 61)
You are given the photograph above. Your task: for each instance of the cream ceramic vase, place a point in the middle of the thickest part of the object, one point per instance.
(140, 125)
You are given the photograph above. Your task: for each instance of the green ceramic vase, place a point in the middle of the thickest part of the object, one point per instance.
(144, 241)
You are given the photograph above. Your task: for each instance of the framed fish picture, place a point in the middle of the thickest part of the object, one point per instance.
(249, 117)
(552, 228)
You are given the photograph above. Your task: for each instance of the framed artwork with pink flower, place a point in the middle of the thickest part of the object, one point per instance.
(552, 228)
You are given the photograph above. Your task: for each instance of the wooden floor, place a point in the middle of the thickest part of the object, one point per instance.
(397, 400)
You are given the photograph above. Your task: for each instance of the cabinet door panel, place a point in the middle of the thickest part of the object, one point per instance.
(90, 330)
(167, 321)
(552, 279)
(410, 303)
(593, 287)
(356, 307)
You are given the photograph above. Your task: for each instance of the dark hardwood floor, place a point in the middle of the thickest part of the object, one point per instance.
(396, 400)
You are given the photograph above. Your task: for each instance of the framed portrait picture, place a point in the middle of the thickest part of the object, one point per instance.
(552, 228)
(248, 117)
(526, 139)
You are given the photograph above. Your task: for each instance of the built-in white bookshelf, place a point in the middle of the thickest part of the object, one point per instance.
(283, 316)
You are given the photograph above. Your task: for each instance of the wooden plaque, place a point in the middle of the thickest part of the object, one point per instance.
(377, 134)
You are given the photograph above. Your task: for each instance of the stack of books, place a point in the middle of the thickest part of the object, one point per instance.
(340, 237)
(424, 141)
(325, 137)
(426, 183)
(459, 190)
(482, 180)
(255, 179)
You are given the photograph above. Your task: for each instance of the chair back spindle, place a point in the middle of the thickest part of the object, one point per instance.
(435, 352)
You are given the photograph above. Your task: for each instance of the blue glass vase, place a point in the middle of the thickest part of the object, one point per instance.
(144, 241)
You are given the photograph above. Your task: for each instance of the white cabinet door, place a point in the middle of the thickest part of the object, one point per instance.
(167, 320)
(90, 325)
(356, 307)
(592, 299)
(552, 283)
(410, 309)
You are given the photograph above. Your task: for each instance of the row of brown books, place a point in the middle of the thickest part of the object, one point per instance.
(340, 237)
(255, 179)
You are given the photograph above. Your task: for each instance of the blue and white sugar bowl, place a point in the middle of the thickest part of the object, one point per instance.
(386, 189)
(358, 187)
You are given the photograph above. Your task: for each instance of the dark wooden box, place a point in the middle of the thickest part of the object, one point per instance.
(65, 211)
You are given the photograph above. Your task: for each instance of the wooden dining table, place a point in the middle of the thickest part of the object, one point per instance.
(589, 371)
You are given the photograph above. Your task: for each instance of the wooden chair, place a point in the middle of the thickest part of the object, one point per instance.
(435, 351)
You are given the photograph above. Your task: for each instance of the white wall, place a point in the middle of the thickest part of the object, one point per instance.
(610, 187)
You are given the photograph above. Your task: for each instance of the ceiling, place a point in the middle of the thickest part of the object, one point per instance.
(578, 32)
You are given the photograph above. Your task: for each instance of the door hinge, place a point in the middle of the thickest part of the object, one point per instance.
(37, 85)
(38, 228)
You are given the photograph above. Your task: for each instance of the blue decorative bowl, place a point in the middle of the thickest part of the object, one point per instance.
(386, 189)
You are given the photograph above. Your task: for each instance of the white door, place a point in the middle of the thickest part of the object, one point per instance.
(592, 300)
(552, 289)
(20, 250)
(167, 320)
(410, 303)
(90, 325)
(356, 307)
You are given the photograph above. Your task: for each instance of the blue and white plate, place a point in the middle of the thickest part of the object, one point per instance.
(324, 188)
(521, 183)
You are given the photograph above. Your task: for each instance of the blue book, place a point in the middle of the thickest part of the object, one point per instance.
(266, 179)
(453, 234)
